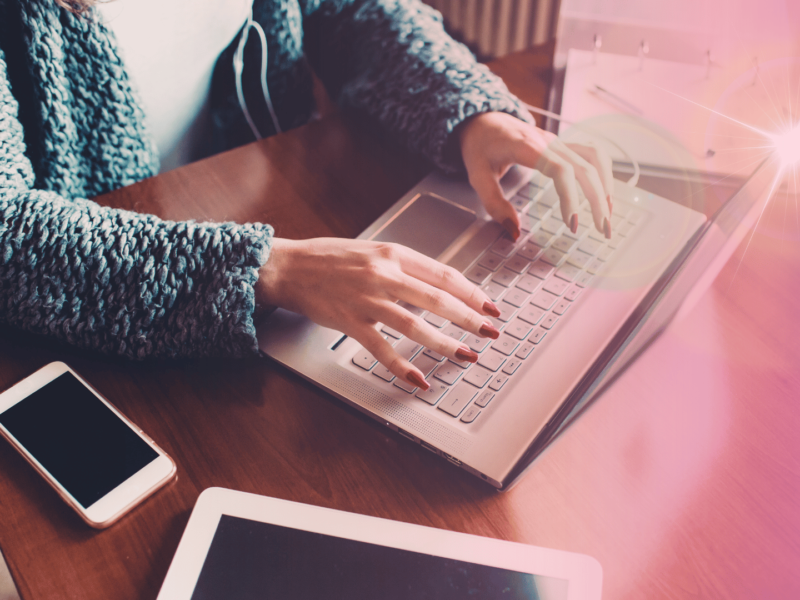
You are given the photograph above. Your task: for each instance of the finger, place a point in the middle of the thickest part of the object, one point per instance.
(487, 185)
(437, 301)
(589, 180)
(553, 165)
(383, 352)
(424, 333)
(448, 279)
(601, 161)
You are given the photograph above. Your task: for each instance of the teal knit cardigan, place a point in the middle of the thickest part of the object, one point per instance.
(71, 128)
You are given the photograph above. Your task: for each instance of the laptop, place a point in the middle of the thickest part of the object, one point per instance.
(576, 308)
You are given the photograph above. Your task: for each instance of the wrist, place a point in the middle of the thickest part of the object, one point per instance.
(270, 278)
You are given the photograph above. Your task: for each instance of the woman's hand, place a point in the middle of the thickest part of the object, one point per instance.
(492, 142)
(351, 285)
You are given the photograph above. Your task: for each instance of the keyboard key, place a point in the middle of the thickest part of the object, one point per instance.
(503, 246)
(561, 307)
(520, 203)
(635, 216)
(518, 264)
(477, 343)
(511, 366)
(605, 253)
(528, 222)
(470, 414)
(414, 310)
(364, 359)
(478, 377)
(407, 348)
(424, 363)
(507, 311)
(494, 290)
(553, 257)
(435, 320)
(448, 373)
(590, 246)
(392, 332)
(505, 344)
(550, 198)
(517, 297)
(616, 220)
(594, 266)
(491, 360)
(555, 286)
(478, 274)
(544, 300)
(540, 269)
(518, 329)
(537, 335)
(552, 225)
(616, 240)
(408, 388)
(498, 381)
(454, 331)
(572, 293)
(541, 238)
(529, 251)
(582, 229)
(505, 277)
(568, 272)
(583, 279)
(490, 261)
(549, 321)
(458, 398)
(531, 314)
(525, 350)
(539, 210)
(579, 259)
(433, 393)
(434, 355)
(383, 373)
(484, 398)
(563, 243)
(529, 284)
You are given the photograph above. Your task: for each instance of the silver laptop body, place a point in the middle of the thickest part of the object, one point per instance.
(487, 421)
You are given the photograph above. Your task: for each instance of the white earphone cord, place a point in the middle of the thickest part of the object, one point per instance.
(546, 113)
(238, 67)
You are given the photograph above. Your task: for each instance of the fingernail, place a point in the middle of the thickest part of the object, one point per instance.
(417, 380)
(489, 330)
(490, 308)
(607, 228)
(512, 229)
(573, 223)
(610, 204)
(464, 353)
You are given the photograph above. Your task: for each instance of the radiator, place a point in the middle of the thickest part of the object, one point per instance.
(493, 28)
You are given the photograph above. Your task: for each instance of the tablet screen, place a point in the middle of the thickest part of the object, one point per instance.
(254, 560)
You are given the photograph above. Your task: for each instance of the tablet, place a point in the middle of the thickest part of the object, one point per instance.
(241, 546)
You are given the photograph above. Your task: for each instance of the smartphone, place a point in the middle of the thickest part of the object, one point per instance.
(98, 461)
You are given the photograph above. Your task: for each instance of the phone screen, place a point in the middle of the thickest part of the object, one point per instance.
(84, 445)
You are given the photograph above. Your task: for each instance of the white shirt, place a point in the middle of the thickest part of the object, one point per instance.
(169, 48)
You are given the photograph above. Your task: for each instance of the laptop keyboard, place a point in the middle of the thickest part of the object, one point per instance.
(535, 282)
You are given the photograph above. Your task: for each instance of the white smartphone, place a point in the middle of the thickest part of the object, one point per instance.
(98, 461)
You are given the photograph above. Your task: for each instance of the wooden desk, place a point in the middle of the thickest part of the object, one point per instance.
(683, 481)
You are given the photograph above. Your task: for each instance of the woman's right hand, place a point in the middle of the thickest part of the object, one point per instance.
(351, 285)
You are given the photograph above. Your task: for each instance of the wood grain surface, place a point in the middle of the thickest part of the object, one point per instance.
(683, 480)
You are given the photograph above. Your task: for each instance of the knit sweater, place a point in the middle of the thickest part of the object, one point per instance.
(71, 128)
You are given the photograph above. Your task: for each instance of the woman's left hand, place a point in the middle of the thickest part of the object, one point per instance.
(492, 142)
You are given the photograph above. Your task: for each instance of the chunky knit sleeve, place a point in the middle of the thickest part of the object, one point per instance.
(393, 60)
(117, 281)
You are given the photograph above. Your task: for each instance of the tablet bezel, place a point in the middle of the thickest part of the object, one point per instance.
(583, 572)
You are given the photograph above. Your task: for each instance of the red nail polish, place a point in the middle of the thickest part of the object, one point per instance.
(573, 223)
(489, 330)
(512, 229)
(607, 229)
(490, 308)
(417, 380)
(464, 353)
(610, 205)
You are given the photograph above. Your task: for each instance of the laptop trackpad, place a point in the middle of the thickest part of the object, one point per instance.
(427, 224)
